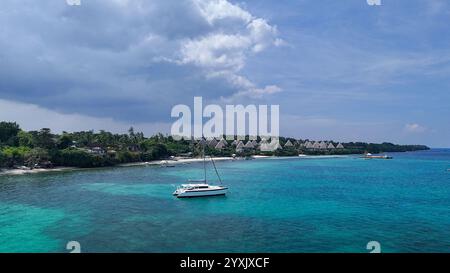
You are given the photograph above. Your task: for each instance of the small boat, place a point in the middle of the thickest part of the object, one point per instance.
(370, 156)
(166, 164)
(200, 188)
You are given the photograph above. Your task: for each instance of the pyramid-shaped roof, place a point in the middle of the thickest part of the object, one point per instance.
(249, 145)
(221, 144)
(202, 142)
(288, 144)
(240, 145)
(212, 143)
(278, 146)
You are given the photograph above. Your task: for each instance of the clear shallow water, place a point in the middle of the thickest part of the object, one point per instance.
(274, 205)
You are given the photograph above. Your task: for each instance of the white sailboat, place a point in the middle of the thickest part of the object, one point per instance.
(200, 188)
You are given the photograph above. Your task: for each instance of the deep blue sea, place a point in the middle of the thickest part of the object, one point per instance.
(274, 205)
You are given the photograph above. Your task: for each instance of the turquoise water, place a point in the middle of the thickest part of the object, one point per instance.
(274, 205)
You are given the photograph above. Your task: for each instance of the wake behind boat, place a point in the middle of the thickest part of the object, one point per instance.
(371, 156)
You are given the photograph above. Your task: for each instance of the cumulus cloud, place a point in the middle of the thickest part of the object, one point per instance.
(223, 53)
(120, 59)
(216, 51)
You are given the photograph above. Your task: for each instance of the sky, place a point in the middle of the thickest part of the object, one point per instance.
(340, 70)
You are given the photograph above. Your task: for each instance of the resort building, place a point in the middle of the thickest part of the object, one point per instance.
(240, 146)
(249, 145)
(263, 144)
(278, 146)
(288, 144)
(222, 144)
(212, 143)
(322, 145)
(331, 146)
(97, 151)
(340, 146)
(202, 142)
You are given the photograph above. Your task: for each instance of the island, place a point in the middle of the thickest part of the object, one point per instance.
(20, 149)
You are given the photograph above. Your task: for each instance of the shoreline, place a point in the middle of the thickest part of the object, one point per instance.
(163, 163)
(7, 172)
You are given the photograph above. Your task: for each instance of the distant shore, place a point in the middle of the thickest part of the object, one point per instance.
(163, 163)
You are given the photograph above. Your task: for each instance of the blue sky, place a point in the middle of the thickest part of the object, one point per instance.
(340, 70)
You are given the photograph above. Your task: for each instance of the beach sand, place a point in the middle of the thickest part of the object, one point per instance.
(168, 162)
(34, 171)
(156, 162)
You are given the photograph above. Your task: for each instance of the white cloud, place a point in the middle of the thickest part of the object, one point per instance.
(262, 34)
(227, 48)
(223, 52)
(414, 128)
(216, 52)
(214, 10)
(269, 89)
(247, 88)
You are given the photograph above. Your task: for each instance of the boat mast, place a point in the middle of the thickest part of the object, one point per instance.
(215, 168)
(204, 162)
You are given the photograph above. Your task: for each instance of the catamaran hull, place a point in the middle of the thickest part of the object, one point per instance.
(206, 193)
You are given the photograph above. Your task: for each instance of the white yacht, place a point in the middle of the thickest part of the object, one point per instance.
(200, 188)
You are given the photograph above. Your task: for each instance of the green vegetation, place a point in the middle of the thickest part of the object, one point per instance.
(88, 149)
(80, 149)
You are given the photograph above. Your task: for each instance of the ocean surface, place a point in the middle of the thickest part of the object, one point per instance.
(317, 204)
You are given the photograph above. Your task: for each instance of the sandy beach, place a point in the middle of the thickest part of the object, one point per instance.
(34, 171)
(168, 162)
